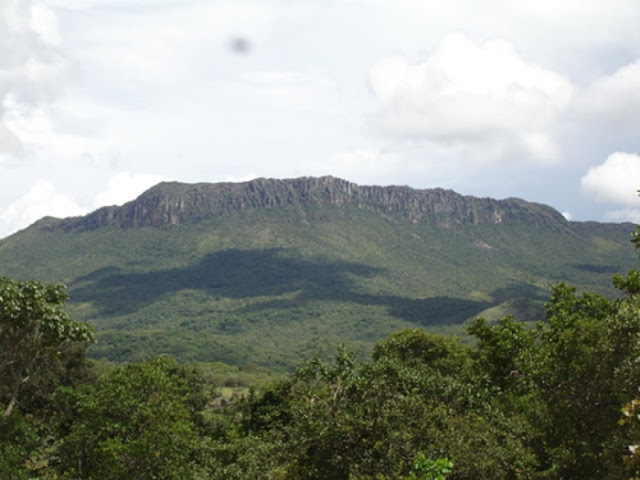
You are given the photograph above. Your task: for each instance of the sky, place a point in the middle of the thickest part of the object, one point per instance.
(102, 99)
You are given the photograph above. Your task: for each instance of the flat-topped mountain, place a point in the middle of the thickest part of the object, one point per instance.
(272, 271)
(178, 203)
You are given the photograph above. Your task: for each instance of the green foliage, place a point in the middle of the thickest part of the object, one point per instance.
(28, 436)
(138, 421)
(18, 442)
(417, 348)
(366, 420)
(569, 377)
(631, 422)
(425, 469)
(34, 329)
(502, 349)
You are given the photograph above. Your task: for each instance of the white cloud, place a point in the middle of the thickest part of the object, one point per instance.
(45, 23)
(126, 186)
(32, 71)
(30, 62)
(625, 215)
(363, 165)
(463, 92)
(40, 201)
(614, 99)
(241, 178)
(291, 90)
(10, 145)
(616, 180)
(44, 199)
(163, 44)
(367, 159)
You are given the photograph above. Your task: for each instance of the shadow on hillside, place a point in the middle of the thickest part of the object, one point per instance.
(590, 268)
(420, 311)
(519, 290)
(263, 273)
(230, 273)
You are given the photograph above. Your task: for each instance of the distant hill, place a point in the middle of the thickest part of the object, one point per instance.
(271, 271)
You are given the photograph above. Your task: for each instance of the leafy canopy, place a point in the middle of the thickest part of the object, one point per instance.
(34, 328)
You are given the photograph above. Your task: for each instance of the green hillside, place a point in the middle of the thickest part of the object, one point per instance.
(270, 272)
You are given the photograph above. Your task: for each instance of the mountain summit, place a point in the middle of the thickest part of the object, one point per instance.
(173, 203)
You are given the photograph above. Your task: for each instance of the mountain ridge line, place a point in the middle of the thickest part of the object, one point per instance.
(174, 203)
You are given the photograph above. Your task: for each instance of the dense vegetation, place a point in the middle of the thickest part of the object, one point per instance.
(270, 273)
(556, 401)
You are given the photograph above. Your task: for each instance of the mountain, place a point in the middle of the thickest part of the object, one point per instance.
(176, 203)
(271, 271)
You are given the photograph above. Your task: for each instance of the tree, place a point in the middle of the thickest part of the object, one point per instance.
(418, 398)
(33, 330)
(18, 441)
(137, 421)
(570, 377)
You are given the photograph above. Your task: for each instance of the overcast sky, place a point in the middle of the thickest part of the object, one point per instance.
(102, 99)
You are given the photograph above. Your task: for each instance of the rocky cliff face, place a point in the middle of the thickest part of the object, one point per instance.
(177, 203)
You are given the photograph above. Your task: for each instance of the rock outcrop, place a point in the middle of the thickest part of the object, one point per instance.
(175, 203)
